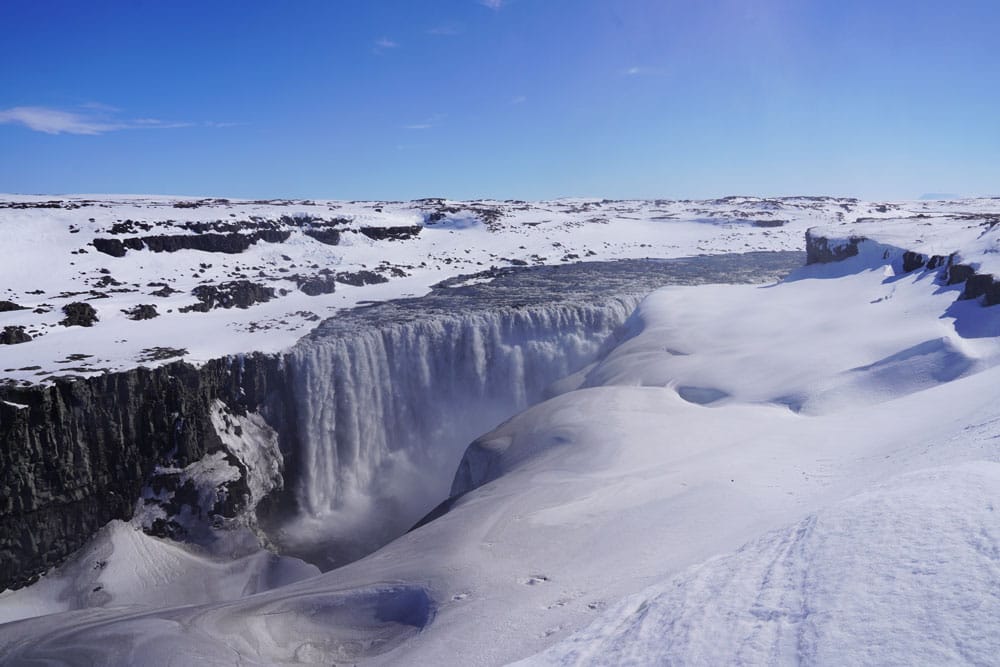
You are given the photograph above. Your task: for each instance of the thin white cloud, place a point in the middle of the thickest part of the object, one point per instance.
(53, 121)
(57, 121)
(383, 43)
(156, 122)
(447, 30)
(99, 106)
(637, 70)
(425, 124)
(492, 4)
(519, 99)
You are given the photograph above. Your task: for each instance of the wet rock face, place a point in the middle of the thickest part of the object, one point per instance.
(12, 335)
(76, 454)
(79, 314)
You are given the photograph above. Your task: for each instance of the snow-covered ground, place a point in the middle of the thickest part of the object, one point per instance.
(50, 260)
(805, 471)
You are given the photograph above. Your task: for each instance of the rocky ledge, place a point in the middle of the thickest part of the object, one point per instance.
(977, 284)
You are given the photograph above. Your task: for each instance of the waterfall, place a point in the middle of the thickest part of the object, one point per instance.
(386, 410)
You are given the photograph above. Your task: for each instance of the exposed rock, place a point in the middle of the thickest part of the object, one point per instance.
(160, 353)
(327, 236)
(914, 260)
(113, 247)
(6, 306)
(982, 285)
(225, 243)
(234, 294)
(233, 243)
(959, 273)
(819, 250)
(142, 312)
(79, 314)
(391, 233)
(12, 335)
(316, 285)
(165, 291)
(76, 454)
(359, 278)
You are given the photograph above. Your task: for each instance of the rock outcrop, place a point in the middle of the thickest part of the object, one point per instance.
(233, 294)
(982, 286)
(819, 249)
(78, 314)
(143, 311)
(13, 335)
(77, 453)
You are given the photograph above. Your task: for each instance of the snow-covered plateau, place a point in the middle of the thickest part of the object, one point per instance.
(577, 432)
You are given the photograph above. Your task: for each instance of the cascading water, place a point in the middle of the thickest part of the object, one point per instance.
(392, 409)
(388, 397)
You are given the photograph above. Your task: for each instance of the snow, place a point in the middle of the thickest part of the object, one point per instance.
(124, 567)
(255, 444)
(804, 471)
(890, 576)
(49, 261)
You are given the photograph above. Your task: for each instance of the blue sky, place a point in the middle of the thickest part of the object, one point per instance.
(371, 99)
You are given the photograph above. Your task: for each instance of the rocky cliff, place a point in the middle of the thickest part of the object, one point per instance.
(377, 403)
(76, 454)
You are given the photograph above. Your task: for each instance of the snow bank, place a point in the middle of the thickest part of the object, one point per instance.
(903, 574)
(832, 437)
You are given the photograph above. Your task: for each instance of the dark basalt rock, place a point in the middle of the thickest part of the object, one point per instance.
(113, 247)
(165, 291)
(12, 335)
(225, 243)
(959, 273)
(327, 236)
(316, 285)
(7, 306)
(234, 294)
(232, 243)
(79, 452)
(178, 495)
(79, 314)
(914, 260)
(977, 285)
(391, 233)
(819, 251)
(359, 278)
(143, 311)
(982, 285)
